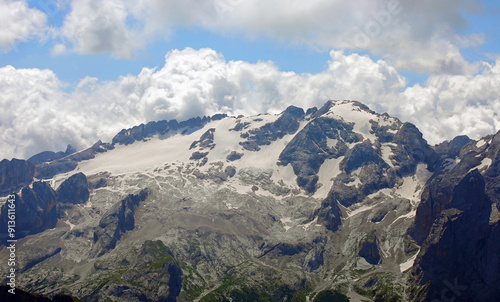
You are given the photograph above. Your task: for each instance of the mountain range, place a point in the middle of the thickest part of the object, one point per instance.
(338, 203)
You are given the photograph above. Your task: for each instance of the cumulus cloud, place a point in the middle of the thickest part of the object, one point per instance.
(18, 22)
(420, 35)
(447, 106)
(95, 26)
(39, 115)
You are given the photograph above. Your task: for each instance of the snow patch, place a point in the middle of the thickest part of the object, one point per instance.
(285, 221)
(410, 214)
(360, 210)
(386, 150)
(412, 186)
(409, 263)
(307, 225)
(328, 171)
(485, 164)
(71, 226)
(331, 143)
(481, 143)
(355, 183)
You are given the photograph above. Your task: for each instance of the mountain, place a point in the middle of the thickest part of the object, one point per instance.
(338, 203)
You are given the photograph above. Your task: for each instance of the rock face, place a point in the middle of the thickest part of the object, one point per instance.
(452, 149)
(118, 220)
(38, 206)
(329, 214)
(74, 190)
(457, 224)
(462, 248)
(412, 149)
(287, 123)
(307, 151)
(15, 174)
(368, 249)
(35, 210)
(234, 156)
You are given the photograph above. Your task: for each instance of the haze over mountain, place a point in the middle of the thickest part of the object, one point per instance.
(303, 205)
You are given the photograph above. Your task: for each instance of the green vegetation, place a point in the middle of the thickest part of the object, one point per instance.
(160, 252)
(191, 288)
(239, 290)
(380, 288)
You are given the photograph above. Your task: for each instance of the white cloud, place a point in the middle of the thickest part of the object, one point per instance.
(18, 22)
(422, 35)
(95, 26)
(38, 115)
(448, 106)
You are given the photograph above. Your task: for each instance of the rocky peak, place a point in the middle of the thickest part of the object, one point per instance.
(15, 174)
(451, 149)
(48, 156)
(287, 123)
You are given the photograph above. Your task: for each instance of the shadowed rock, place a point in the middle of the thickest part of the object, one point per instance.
(74, 189)
(35, 211)
(47, 156)
(15, 174)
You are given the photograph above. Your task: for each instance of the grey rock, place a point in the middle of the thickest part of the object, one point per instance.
(451, 149)
(287, 123)
(462, 247)
(141, 132)
(379, 216)
(307, 151)
(74, 190)
(118, 220)
(47, 156)
(230, 171)
(311, 111)
(15, 174)
(359, 156)
(329, 213)
(412, 149)
(198, 155)
(240, 126)
(206, 141)
(35, 211)
(368, 249)
(234, 156)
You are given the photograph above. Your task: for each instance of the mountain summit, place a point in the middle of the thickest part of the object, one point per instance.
(338, 202)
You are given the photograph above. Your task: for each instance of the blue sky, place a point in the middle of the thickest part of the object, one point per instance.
(427, 62)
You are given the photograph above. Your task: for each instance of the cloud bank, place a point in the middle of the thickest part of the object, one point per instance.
(425, 36)
(40, 115)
